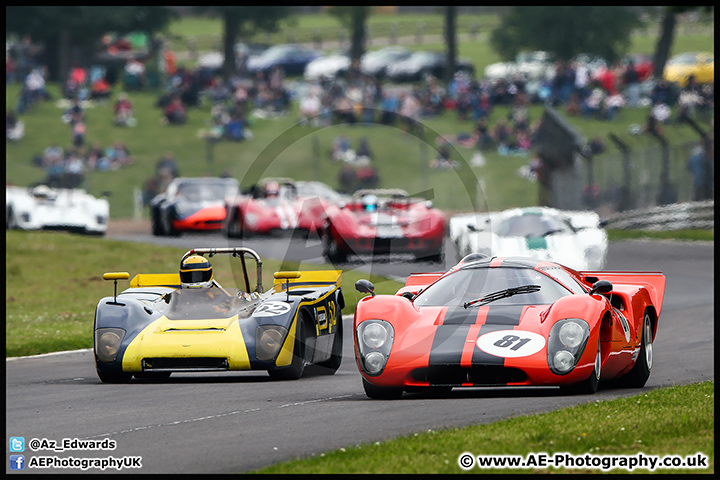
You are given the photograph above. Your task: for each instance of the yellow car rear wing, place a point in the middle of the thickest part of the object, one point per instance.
(170, 280)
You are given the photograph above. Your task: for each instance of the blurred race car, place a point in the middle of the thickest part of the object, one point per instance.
(42, 207)
(192, 204)
(277, 205)
(508, 321)
(188, 322)
(382, 222)
(573, 238)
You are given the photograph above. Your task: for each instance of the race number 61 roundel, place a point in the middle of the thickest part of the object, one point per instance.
(511, 343)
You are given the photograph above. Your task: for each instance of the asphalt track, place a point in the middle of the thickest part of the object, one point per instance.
(237, 422)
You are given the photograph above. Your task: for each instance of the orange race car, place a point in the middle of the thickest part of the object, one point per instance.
(192, 205)
(500, 321)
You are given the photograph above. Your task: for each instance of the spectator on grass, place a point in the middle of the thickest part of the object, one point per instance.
(482, 134)
(74, 113)
(347, 178)
(309, 107)
(169, 163)
(613, 102)
(696, 166)
(594, 102)
(74, 170)
(443, 158)
(78, 130)
(341, 149)
(52, 154)
(631, 80)
(175, 112)
(14, 128)
(410, 111)
(123, 111)
(364, 149)
(660, 112)
(235, 128)
(389, 106)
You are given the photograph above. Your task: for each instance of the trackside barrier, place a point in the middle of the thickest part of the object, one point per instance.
(688, 215)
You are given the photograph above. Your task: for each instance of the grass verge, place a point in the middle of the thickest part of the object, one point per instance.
(677, 421)
(54, 281)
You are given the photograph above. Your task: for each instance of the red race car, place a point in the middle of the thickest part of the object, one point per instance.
(382, 222)
(503, 321)
(277, 205)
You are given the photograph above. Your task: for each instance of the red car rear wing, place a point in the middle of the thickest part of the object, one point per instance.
(417, 281)
(654, 282)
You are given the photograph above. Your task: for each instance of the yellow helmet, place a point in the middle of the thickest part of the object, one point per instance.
(195, 272)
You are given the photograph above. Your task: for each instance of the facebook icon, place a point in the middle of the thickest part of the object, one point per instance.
(17, 462)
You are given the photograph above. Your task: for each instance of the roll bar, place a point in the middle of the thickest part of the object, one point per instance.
(235, 252)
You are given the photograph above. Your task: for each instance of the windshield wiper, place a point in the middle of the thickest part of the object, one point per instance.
(508, 292)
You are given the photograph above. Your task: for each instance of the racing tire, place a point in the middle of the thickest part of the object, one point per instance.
(331, 365)
(381, 393)
(11, 221)
(114, 377)
(157, 228)
(297, 366)
(332, 250)
(234, 228)
(589, 385)
(638, 376)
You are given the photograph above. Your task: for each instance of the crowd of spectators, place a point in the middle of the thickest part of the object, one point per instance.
(354, 99)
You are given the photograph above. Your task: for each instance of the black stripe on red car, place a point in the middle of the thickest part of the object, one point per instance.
(499, 317)
(448, 344)
(504, 314)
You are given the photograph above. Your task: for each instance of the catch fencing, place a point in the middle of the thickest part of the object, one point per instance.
(678, 216)
(644, 178)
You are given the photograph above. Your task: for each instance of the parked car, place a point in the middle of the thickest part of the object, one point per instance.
(700, 65)
(377, 62)
(292, 59)
(508, 321)
(327, 67)
(213, 60)
(573, 238)
(42, 207)
(535, 65)
(192, 204)
(419, 64)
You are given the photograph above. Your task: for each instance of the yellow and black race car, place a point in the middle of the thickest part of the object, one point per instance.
(187, 322)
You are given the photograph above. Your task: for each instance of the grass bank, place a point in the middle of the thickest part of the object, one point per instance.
(54, 281)
(677, 421)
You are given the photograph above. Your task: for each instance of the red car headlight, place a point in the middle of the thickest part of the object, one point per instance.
(374, 340)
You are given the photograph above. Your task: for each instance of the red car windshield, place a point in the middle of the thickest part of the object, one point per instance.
(468, 284)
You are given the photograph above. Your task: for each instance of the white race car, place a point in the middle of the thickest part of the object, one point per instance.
(42, 207)
(573, 238)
